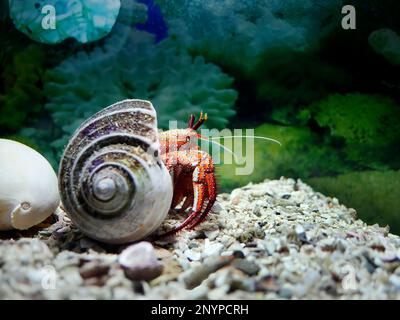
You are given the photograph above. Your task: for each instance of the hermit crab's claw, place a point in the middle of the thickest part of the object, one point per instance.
(199, 122)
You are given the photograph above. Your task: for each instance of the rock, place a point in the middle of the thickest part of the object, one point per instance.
(217, 207)
(66, 259)
(93, 269)
(238, 254)
(218, 293)
(200, 292)
(248, 267)
(162, 253)
(236, 196)
(301, 234)
(195, 276)
(395, 280)
(139, 262)
(192, 255)
(285, 293)
(267, 245)
(268, 284)
(249, 235)
(212, 248)
(299, 229)
(211, 234)
(257, 208)
(71, 276)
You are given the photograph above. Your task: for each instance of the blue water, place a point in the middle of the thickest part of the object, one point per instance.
(155, 23)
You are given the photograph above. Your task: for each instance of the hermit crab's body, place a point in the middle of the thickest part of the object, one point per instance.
(119, 176)
(192, 171)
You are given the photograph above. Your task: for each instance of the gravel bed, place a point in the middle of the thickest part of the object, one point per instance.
(275, 240)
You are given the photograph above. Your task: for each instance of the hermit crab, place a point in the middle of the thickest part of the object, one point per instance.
(119, 177)
(192, 171)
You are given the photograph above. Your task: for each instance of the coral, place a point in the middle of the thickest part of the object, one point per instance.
(368, 124)
(237, 33)
(131, 13)
(176, 83)
(374, 194)
(302, 154)
(387, 43)
(21, 96)
(84, 20)
(39, 129)
(272, 46)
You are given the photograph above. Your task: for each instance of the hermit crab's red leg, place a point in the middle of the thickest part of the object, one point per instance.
(199, 192)
(187, 203)
(212, 196)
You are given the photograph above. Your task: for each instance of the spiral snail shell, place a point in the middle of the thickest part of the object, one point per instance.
(112, 183)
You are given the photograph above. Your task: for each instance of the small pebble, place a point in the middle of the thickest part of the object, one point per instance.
(285, 293)
(248, 267)
(212, 248)
(93, 269)
(211, 234)
(256, 209)
(195, 276)
(139, 262)
(236, 196)
(193, 255)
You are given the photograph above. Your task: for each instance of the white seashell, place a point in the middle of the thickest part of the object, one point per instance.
(28, 186)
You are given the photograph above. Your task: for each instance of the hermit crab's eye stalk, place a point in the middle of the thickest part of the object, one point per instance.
(201, 120)
(191, 121)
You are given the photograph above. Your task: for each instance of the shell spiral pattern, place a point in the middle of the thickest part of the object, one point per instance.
(112, 183)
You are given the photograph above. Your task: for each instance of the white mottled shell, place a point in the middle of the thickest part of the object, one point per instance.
(28, 186)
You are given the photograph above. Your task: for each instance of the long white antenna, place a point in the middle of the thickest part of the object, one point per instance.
(255, 137)
(222, 146)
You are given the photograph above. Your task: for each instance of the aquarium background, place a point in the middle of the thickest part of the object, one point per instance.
(286, 68)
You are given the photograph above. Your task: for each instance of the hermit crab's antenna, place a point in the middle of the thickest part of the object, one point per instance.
(248, 137)
(199, 122)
